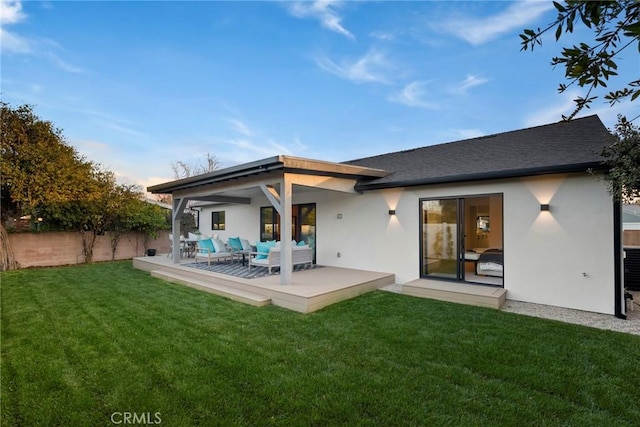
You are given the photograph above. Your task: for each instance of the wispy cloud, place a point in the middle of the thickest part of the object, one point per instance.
(62, 64)
(325, 11)
(413, 95)
(469, 82)
(383, 35)
(240, 127)
(373, 67)
(478, 31)
(564, 104)
(12, 42)
(460, 134)
(552, 113)
(123, 129)
(10, 14)
(261, 149)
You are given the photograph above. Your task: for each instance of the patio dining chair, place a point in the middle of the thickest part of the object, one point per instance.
(182, 246)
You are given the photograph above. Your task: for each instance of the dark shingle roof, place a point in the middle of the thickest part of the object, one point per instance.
(559, 147)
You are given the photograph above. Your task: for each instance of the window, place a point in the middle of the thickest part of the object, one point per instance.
(303, 224)
(217, 220)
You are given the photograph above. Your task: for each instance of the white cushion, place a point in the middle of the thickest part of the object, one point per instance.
(246, 246)
(219, 245)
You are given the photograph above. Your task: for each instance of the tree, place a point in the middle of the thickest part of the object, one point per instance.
(182, 169)
(149, 219)
(40, 172)
(7, 259)
(38, 166)
(616, 27)
(623, 160)
(44, 177)
(89, 214)
(124, 203)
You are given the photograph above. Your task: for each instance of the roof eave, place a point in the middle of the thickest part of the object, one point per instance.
(287, 164)
(512, 173)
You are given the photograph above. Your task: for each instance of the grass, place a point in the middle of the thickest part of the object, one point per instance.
(82, 343)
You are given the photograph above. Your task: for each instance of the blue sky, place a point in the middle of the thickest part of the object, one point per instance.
(136, 86)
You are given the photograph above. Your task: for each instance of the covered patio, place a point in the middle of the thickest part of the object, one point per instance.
(308, 290)
(278, 179)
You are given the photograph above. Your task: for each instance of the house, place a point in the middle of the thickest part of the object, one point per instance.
(526, 210)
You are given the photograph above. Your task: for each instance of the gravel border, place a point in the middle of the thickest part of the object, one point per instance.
(595, 320)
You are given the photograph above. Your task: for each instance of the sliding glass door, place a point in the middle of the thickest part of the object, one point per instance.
(440, 238)
(462, 239)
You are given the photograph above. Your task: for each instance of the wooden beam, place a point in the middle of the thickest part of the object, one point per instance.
(344, 185)
(273, 196)
(226, 199)
(178, 210)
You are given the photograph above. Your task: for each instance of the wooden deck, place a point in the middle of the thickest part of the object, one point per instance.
(462, 293)
(309, 291)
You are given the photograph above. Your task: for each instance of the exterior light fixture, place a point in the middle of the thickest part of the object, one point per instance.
(392, 211)
(544, 208)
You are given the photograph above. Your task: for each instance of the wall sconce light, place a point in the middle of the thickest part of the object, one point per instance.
(392, 211)
(544, 208)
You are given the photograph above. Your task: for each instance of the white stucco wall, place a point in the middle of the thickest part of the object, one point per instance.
(573, 243)
(240, 221)
(563, 257)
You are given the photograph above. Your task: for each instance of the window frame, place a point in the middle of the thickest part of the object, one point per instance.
(218, 221)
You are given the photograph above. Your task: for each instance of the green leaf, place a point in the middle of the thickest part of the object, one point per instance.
(570, 22)
(560, 8)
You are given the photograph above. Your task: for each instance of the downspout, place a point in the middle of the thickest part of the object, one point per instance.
(618, 261)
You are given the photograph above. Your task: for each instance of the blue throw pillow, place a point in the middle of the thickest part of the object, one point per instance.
(206, 244)
(263, 249)
(302, 243)
(235, 243)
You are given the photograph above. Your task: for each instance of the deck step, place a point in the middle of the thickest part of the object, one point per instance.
(483, 296)
(214, 288)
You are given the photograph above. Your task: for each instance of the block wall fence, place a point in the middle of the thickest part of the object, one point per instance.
(48, 249)
(631, 238)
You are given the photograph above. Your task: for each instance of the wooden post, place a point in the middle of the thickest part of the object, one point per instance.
(286, 261)
(178, 211)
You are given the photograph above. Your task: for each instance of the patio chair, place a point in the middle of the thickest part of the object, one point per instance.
(182, 246)
(239, 247)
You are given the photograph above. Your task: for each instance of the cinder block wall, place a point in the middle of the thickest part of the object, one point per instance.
(49, 249)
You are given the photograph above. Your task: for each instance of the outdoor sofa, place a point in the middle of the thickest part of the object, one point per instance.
(299, 255)
(212, 249)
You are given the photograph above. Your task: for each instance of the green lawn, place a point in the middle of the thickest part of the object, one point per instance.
(82, 343)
